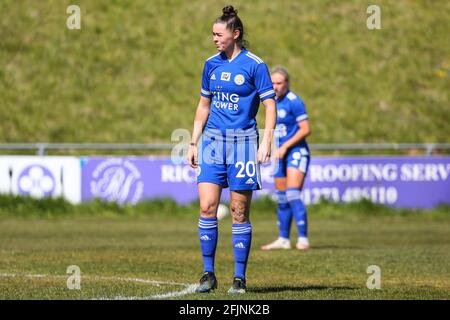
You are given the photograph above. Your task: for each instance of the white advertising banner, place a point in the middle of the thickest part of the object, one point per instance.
(5, 179)
(40, 177)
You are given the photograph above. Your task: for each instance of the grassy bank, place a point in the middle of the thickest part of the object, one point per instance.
(132, 73)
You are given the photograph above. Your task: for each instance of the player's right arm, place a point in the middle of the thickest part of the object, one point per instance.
(201, 116)
(301, 134)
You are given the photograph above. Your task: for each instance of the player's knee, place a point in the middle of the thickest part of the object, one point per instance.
(239, 211)
(208, 209)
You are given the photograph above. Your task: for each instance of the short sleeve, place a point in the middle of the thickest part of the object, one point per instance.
(263, 82)
(205, 92)
(299, 109)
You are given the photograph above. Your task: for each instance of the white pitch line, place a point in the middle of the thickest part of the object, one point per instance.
(190, 288)
(146, 281)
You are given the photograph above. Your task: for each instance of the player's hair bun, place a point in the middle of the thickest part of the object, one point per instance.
(229, 11)
(230, 18)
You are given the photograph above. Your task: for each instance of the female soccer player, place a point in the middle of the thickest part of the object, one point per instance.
(234, 83)
(293, 161)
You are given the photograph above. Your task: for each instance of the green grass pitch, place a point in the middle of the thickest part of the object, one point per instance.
(156, 256)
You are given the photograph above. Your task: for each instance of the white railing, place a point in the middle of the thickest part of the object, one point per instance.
(42, 148)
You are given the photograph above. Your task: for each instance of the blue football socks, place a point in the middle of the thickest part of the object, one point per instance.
(208, 233)
(299, 210)
(284, 214)
(242, 239)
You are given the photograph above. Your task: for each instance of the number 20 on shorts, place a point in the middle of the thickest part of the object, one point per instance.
(249, 168)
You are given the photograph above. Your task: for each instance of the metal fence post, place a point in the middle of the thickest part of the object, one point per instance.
(41, 149)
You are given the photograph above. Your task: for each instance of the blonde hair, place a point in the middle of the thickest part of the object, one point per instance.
(281, 70)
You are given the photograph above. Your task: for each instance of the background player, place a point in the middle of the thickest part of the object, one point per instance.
(293, 161)
(234, 82)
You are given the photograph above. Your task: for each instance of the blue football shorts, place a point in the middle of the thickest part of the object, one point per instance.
(229, 160)
(296, 157)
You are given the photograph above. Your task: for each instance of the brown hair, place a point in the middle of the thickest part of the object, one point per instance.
(233, 22)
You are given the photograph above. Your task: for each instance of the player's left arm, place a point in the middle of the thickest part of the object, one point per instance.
(264, 87)
(269, 127)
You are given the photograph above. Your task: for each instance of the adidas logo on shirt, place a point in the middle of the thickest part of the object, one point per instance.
(249, 181)
(205, 237)
(213, 77)
(239, 245)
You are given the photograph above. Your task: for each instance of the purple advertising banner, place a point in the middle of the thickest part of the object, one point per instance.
(407, 182)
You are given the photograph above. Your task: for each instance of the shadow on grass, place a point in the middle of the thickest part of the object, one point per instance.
(296, 289)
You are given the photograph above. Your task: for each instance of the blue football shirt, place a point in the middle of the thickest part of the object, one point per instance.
(236, 88)
(290, 110)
